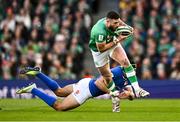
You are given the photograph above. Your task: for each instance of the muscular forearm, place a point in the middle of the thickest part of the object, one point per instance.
(107, 46)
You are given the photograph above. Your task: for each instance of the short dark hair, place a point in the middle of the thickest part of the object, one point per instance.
(113, 15)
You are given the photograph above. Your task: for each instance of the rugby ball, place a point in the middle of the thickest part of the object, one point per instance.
(123, 30)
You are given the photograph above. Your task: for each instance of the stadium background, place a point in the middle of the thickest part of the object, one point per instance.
(54, 35)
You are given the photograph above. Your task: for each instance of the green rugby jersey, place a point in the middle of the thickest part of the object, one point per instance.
(100, 33)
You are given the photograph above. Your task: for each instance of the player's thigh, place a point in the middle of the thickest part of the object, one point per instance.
(65, 91)
(68, 103)
(119, 55)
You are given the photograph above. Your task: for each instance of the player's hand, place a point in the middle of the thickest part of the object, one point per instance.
(126, 94)
(121, 38)
(132, 29)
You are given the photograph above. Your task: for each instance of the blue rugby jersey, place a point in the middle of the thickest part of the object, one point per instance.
(117, 78)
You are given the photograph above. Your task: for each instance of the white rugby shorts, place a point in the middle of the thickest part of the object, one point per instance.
(81, 90)
(100, 59)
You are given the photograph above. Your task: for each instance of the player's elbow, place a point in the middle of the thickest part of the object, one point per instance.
(101, 50)
(101, 47)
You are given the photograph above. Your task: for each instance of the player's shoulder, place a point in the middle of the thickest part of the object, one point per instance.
(99, 27)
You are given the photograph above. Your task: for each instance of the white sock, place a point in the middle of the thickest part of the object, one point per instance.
(135, 86)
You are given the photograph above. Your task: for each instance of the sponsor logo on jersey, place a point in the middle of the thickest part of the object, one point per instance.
(77, 92)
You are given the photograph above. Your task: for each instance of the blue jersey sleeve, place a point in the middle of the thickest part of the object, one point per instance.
(118, 77)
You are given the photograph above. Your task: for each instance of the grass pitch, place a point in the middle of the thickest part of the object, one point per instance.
(92, 110)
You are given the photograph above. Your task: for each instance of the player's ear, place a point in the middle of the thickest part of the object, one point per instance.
(107, 21)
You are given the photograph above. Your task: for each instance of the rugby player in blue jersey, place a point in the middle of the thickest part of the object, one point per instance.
(76, 94)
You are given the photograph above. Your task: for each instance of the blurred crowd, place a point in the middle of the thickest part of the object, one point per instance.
(52, 34)
(48, 33)
(156, 45)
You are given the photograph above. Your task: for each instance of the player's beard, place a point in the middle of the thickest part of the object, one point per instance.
(111, 28)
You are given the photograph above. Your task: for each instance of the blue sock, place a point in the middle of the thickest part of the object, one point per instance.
(52, 84)
(50, 100)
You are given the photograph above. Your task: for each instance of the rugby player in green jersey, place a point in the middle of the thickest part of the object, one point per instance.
(105, 43)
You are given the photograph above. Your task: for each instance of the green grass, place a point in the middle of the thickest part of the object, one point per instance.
(96, 110)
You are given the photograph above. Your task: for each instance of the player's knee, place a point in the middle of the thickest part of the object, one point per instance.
(125, 62)
(59, 107)
(58, 92)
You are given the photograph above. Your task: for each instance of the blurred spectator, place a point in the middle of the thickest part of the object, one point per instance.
(53, 34)
(24, 17)
(46, 33)
(9, 21)
(146, 69)
(175, 66)
(156, 44)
